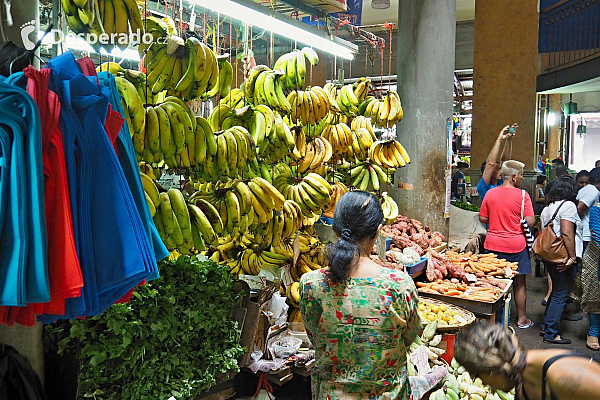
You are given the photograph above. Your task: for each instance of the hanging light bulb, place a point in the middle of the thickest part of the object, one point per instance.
(551, 119)
(380, 4)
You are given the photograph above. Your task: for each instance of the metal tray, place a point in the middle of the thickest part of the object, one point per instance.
(476, 307)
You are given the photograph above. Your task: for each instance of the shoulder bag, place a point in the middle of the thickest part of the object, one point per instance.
(548, 246)
(525, 225)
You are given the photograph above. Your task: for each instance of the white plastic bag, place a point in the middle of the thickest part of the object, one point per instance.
(279, 308)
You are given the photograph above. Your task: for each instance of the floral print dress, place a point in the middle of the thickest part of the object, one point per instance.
(360, 329)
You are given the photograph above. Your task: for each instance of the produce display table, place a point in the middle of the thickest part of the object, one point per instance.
(479, 308)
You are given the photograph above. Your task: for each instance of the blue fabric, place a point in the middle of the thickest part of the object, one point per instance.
(128, 160)
(483, 188)
(561, 286)
(594, 328)
(112, 241)
(23, 245)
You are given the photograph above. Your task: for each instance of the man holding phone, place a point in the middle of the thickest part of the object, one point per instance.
(491, 175)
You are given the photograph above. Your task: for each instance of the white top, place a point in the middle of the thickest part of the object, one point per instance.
(567, 211)
(588, 195)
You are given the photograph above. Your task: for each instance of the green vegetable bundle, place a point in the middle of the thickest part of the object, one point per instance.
(466, 206)
(172, 339)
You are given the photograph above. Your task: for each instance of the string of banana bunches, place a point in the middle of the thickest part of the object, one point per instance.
(383, 113)
(120, 20)
(187, 69)
(249, 203)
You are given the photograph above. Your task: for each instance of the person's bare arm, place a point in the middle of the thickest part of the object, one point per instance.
(492, 159)
(538, 198)
(507, 151)
(575, 378)
(581, 209)
(567, 232)
(484, 220)
(530, 221)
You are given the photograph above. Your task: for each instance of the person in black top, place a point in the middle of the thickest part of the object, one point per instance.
(458, 177)
(493, 353)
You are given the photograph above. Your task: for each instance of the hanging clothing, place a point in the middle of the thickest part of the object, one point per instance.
(23, 247)
(113, 246)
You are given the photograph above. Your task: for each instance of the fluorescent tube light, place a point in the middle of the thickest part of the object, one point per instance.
(75, 43)
(278, 26)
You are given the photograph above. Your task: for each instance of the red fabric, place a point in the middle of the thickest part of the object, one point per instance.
(113, 124)
(502, 205)
(64, 271)
(88, 68)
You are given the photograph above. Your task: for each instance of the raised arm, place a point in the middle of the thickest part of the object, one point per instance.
(507, 152)
(493, 157)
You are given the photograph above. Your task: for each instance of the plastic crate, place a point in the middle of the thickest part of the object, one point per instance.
(417, 267)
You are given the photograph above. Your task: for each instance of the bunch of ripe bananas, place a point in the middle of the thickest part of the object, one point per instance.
(270, 134)
(339, 136)
(312, 254)
(116, 18)
(282, 226)
(295, 315)
(390, 208)
(383, 113)
(137, 78)
(388, 154)
(186, 69)
(361, 143)
(293, 65)
(331, 92)
(170, 134)
(171, 216)
(338, 189)
(350, 96)
(309, 105)
(317, 129)
(251, 262)
(234, 99)
(315, 153)
(240, 204)
(363, 122)
(312, 192)
(133, 109)
(363, 173)
(233, 155)
(265, 86)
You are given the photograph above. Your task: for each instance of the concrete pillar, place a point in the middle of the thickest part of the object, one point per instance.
(505, 67)
(28, 342)
(425, 78)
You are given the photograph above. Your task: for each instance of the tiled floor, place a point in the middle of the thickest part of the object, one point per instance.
(299, 388)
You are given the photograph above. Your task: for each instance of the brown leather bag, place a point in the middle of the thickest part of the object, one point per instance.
(549, 247)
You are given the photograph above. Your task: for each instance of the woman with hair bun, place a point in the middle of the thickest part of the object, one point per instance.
(359, 316)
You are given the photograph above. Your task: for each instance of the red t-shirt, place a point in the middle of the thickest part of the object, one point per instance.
(502, 205)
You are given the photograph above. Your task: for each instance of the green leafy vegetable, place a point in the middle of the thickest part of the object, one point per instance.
(174, 337)
(466, 206)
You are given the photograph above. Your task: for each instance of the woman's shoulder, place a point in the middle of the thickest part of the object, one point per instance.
(397, 279)
(317, 275)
